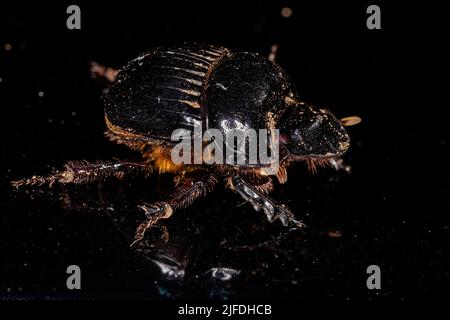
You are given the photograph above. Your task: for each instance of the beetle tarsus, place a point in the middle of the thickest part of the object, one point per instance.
(183, 196)
(154, 212)
(34, 181)
(162, 209)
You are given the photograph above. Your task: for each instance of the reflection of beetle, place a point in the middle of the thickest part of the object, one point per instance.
(200, 85)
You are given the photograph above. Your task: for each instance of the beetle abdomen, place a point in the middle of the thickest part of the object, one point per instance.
(162, 90)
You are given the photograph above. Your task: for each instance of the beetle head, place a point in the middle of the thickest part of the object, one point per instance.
(308, 132)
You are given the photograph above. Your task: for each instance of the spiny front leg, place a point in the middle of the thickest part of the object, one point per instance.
(80, 172)
(188, 190)
(260, 202)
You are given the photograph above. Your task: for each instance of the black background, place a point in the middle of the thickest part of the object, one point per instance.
(392, 210)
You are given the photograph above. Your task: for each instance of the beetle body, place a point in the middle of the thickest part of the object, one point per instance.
(189, 86)
(199, 87)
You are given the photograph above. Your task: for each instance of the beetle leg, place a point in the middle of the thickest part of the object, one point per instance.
(265, 187)
(184, 195)
(338, 164)
(260, 202)
(101, 72)
(262, 184)
(80, 172)
(273, 53)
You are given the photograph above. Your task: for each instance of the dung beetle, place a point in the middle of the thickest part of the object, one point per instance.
(195, 85)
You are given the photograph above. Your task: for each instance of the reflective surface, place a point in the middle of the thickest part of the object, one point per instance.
(392, 210)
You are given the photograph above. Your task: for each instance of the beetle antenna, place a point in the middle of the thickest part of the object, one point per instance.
(350, 121)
